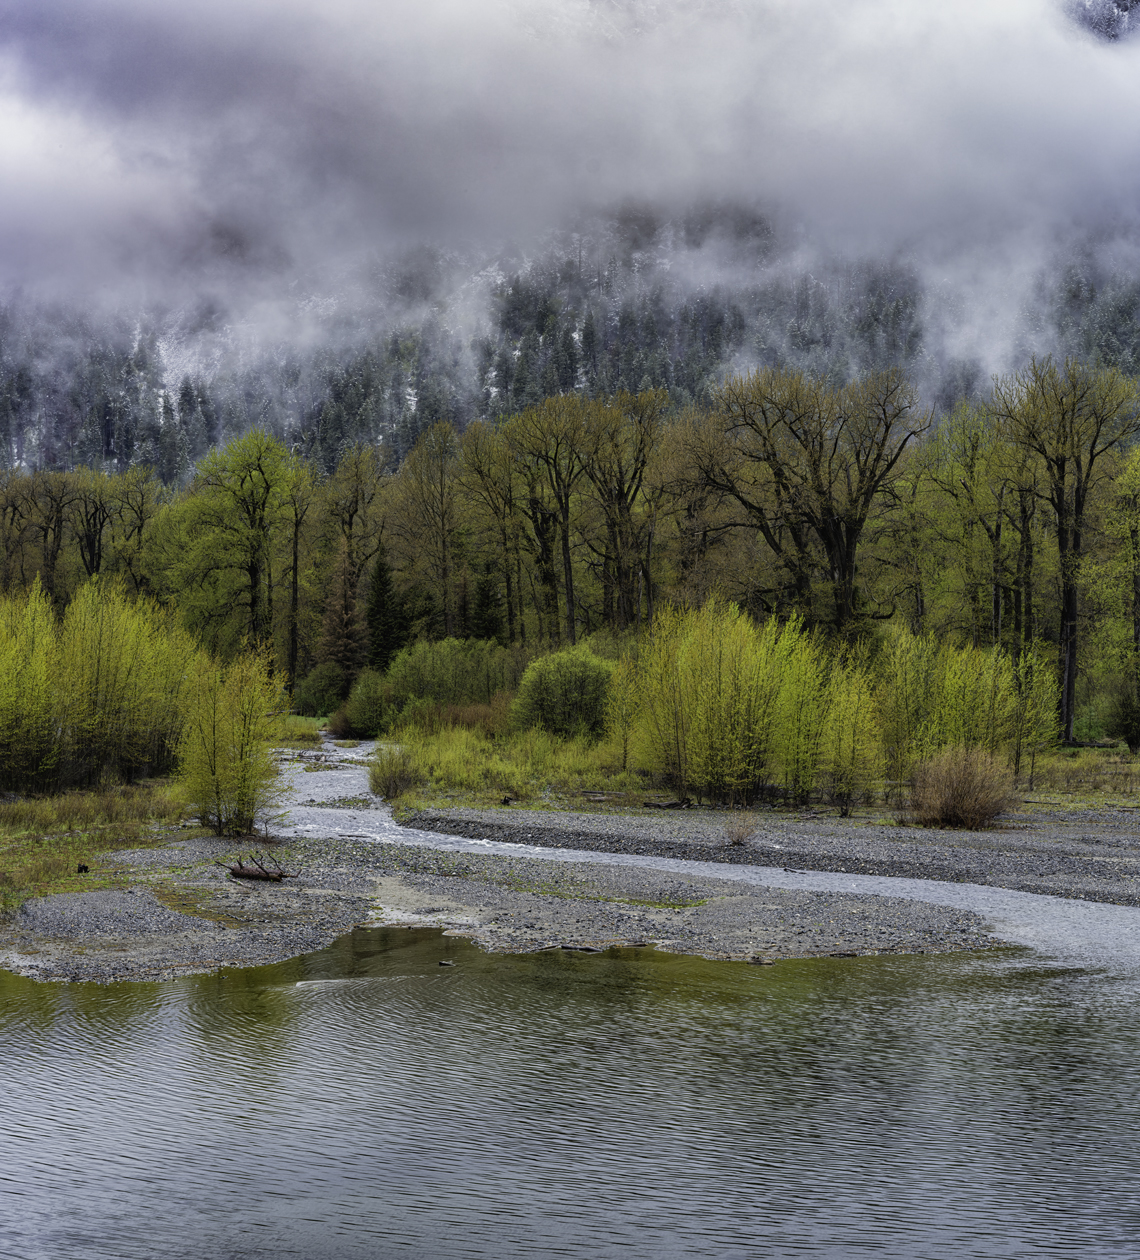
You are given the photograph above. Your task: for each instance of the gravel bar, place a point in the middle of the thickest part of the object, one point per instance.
(1089, 855)
(183, 915)
(174, 912)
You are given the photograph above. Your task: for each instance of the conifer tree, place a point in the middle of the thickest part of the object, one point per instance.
(344, 637)
(387, 617)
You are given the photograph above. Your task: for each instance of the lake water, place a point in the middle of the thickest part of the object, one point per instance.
(366, 1102)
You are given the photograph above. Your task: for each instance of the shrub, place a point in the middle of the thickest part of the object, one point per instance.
(960, 787)
(227, 766)
(322, 691)
(725, 704)
(455, 671)
(564, 694)
(369, 710)
(393, 771)
(740, 830)
(851, 747)
(92, 698)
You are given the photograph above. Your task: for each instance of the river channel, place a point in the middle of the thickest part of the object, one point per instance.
(365, 1101)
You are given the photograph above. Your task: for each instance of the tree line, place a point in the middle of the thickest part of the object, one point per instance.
(1013, 521)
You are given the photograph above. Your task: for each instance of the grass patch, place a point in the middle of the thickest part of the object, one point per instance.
(300, 732)
(43, 840)
(199, 905)
(459, 765)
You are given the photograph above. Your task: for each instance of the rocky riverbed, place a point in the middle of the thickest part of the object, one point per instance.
(179, 913)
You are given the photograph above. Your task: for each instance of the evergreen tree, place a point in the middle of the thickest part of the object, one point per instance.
(389, 625)
(344, 637)
(486, 620)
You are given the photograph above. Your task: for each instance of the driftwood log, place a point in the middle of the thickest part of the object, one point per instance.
(257, 870)
(684, 803)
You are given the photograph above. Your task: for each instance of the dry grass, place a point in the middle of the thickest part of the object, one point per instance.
(740, 829)
(1080, 772)
(429, 717)
(960, 787)
(43, 840)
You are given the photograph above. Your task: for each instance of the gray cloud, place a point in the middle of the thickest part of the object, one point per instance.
(148, 149)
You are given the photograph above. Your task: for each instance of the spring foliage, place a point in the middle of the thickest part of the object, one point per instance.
(94, 697)
(731, 710)
(227, 765)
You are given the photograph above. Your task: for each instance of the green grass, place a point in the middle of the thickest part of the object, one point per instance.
(44, 839)
(300, 732)
(463, 766)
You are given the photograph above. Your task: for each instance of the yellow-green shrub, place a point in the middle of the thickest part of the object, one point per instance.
(726, 705)
(936, 696)
(850, 748)
(94, 696)
(227, 766)
(29, 673)
(121, 666)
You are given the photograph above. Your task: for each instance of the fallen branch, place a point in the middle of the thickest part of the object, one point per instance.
(239, 870)
(684, 803)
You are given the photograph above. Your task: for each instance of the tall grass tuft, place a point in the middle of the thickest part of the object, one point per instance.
(960, 787)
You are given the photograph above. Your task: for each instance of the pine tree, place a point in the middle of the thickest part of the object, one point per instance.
(388, 622)
(344, 637)
(486, 621)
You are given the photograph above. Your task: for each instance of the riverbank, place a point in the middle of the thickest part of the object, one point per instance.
(177, 913)
(1089, 854)
(181, 914)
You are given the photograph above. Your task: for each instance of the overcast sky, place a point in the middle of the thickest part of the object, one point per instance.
(144, 143)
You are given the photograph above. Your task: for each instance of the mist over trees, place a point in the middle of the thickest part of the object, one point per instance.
(632, 301)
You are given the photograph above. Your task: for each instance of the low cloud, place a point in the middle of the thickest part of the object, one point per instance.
(252, 148)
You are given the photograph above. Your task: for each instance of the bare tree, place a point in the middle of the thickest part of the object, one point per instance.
(808, 464)
(1068, 418)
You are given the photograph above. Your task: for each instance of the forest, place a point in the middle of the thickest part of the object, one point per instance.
(1012, 523)
(606, 436)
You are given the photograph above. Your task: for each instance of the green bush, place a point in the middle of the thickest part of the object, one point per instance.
(564, 693)
(369, 710)
(227, 766)
(322, 691)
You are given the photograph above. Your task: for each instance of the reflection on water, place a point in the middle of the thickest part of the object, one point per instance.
(366, 1102)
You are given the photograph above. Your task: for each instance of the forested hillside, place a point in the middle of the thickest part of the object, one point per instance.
(634, 301)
